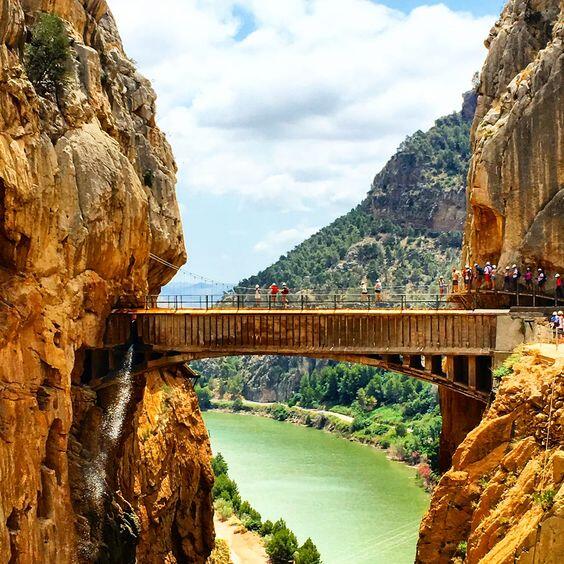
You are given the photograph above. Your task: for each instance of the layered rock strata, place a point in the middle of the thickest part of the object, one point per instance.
(503, 499)
(86, 194)
(516, 179)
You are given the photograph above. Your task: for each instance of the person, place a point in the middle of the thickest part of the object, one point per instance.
(528, 277)
(515, 275)
(560, 328)
(494, 275)
(285, 292)
(488, 275)
(274, 293)
(541, 279)
(558, 284)
(468, 278)
(554, 320)
(442, 286)
(378, 290)
(364, 290)
(507, 279)
(479, 275)
(258, 296)
(455, 279)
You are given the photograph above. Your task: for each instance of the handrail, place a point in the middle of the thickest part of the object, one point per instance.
(334, 301)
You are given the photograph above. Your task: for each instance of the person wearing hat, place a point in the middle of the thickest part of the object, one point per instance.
(455, 278)
(494, 275)
(528, 277)
(378, 290)
(488, 276)
(507, 279)
(541, 279)
(558, 283)
(258, 296)
(285, 292)
(468, 275)
(442, 286)
(273, 293)
(560, 328)
(515, 275)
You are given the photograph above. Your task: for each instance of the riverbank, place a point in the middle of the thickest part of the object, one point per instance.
(245, 546)
(337, 424)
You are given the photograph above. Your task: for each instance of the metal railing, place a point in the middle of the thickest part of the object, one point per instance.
(346, 299)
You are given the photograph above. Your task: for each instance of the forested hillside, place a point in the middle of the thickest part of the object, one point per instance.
(406, 231)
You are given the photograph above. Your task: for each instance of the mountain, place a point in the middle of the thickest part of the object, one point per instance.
(408, 230)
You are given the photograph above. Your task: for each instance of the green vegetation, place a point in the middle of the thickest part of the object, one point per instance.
(545, 499)
(281, 542)
(48, 54)
(461, 549)
(307, 554)
(204, 396)
(507, 367)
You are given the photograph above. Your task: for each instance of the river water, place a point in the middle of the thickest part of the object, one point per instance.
(356, 505)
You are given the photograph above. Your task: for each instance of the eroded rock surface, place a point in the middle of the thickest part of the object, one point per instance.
(503, 499)
(86, 194)
(516, 180)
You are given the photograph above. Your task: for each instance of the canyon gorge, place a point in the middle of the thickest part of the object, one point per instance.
(87, 196)
(87, 192)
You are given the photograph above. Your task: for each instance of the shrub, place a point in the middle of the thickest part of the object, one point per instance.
(223, 509)
(307, 554)
(238, 405)
(204, 397)
(225, 488)
(282, 546)
(266, 528)
(48, 54)
(148, 177)
(219, 465)
(250, 517)
(280, 412)
(461, 549)
(545, 499)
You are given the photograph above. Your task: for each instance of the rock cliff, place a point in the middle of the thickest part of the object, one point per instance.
(516, 180)
(503, 499)
(86, 194)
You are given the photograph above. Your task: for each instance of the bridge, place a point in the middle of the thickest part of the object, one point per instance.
(455, 349)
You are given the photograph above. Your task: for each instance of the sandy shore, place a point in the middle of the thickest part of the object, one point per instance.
(246, 548)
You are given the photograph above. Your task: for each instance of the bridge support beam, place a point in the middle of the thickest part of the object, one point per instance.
(460, 415)
(472, 381)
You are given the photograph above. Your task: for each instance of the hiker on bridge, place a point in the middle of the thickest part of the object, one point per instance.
(364, 290)
(494, 275)
(488, 276)
(442, 286)
(378, 290)
(285, 292)
(558, 283)
(507, 279)
(455, 277)
(541, 279)
(258, 296)
(273, 293)
(515, 276)
(468, 276)
(479, 275)
(528, 277)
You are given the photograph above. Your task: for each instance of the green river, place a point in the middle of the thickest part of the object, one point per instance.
(356, 505)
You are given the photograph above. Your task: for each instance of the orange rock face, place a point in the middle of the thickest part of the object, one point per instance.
(503, 499)
(78, 220)
(516, 180)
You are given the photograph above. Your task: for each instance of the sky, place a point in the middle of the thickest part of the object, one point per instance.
(280, 113)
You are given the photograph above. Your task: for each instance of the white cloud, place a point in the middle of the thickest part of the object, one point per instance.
(304, 111)
(278, 241)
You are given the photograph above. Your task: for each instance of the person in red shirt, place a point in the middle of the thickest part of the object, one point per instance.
(559, 291)
(274, 293)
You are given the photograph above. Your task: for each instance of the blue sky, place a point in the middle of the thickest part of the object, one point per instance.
(281, 113)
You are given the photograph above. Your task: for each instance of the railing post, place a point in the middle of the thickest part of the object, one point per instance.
(207, 302)
(402, 297)
(302, 301)
(517, 293)
(437, 301)
(334, 301)
(534, 295)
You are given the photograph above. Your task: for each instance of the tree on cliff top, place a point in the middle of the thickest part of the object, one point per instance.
(48, 54)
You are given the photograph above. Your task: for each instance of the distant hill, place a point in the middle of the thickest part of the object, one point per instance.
(408, 230)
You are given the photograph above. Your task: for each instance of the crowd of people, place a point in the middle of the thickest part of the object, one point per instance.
(510, 280)
(470, 278)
